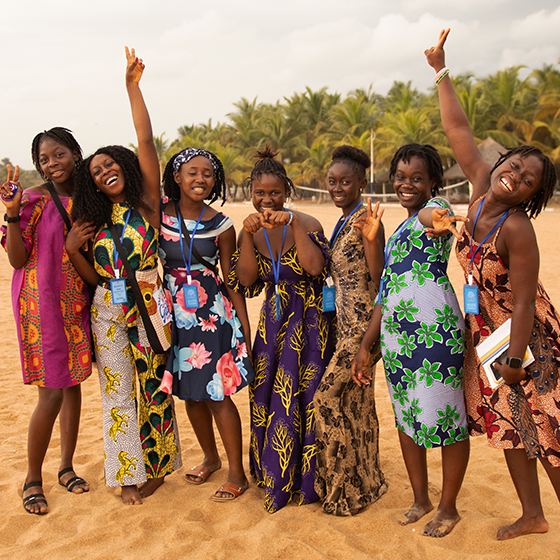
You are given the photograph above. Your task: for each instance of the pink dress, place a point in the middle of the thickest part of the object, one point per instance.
(50, 300)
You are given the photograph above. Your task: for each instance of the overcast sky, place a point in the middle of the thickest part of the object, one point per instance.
(63, 62)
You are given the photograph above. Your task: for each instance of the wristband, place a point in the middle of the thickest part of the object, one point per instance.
(13, 220)
(441, 74)
(291, 217)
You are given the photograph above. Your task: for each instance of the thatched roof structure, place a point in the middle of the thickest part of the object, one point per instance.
(490, 150)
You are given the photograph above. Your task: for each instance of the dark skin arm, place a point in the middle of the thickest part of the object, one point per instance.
(456, 125)
(78, 238)
(17, 253)
(147, 154)
(373, 238)
(517, 246)
(438, 222)
(226, 245)
(362, 357)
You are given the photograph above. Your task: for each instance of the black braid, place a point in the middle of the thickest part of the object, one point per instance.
(534, 206)
(430, 156)
(59, 134)
(355, 158)
(93, 205)
(267, 165)
(173, 190)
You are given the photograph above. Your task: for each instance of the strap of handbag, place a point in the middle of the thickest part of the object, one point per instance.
(185, 233)
(140, 303)
(60, 208)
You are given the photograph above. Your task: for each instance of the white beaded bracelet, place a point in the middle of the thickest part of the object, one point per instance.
(291, 217)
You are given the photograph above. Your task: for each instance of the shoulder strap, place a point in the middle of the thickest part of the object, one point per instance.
(62, 211)
(131, 277)
(185, 233)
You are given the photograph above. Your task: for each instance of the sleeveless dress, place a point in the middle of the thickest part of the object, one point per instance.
(208, 357)
(140, 439)
(524, 415)
(422, 338)
(348, 476)
(49, 299)
(290, 355)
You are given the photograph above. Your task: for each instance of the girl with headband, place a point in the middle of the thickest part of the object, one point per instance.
(285, 252)
(209, 359)
(114, 185)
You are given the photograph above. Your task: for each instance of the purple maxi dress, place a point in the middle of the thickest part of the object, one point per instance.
(290, 355)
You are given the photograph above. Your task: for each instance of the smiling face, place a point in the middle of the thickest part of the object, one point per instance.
(108, 177)
(57, 161)
(517, 179)
(412, 183)
(195, 178)
(345, 186)
(269, 192)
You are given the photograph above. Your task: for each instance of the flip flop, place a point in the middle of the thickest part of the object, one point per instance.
(229, 488)
(71, 483)
(38, 498)
(202, 472)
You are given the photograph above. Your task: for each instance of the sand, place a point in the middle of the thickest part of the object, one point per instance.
(180, 520)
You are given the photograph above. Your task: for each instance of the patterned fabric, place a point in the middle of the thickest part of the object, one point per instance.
(526, 414)
(140, 438)
(208, 356)
(422, 338)
(348, 476)
(189, 153)
(123, 350)
(290, 355)
(50, 300)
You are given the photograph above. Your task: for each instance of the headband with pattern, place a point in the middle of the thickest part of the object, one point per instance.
(189, 153)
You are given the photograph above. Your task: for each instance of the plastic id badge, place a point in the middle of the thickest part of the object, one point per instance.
(328, 298)
(118, 290)
(470, 299)
(190, 292)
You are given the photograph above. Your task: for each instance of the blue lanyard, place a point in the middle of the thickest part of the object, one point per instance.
(188, 265)
(115, 253)
(338, 228)
(482, 242)
(276, 269)
(388, 249)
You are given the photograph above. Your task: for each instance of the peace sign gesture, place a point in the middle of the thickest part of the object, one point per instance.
(134, 67)
(6, 189)
(436, 55)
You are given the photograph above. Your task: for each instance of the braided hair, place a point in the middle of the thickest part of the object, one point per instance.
(267, 165)
(58, 134)
(172, 189)
(90, 203)
(430, 156)
(533, 206)
(355, 158)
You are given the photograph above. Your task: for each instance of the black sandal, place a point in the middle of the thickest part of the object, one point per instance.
(38, 498)
(71, 483)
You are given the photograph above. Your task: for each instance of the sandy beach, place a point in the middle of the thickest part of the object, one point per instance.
(180, 520)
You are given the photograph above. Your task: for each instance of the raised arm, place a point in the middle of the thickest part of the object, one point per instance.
(147, 154)
(373, 238)
(456, 124)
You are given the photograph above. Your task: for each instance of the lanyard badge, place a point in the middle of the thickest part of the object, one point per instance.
(276, 271)
(190, 290)
(118, 284)
(470, 291)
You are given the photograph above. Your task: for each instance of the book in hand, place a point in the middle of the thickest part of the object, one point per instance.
(494, 349)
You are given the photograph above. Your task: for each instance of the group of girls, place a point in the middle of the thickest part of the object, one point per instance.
(314, 429)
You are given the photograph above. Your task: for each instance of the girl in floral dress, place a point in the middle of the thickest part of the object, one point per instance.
(209, 358)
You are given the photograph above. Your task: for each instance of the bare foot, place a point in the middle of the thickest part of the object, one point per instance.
(441, 525)
(416, 512)
(523, 526)
(199, 475)
(131, 496)
(149, 487)
(33, 498)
